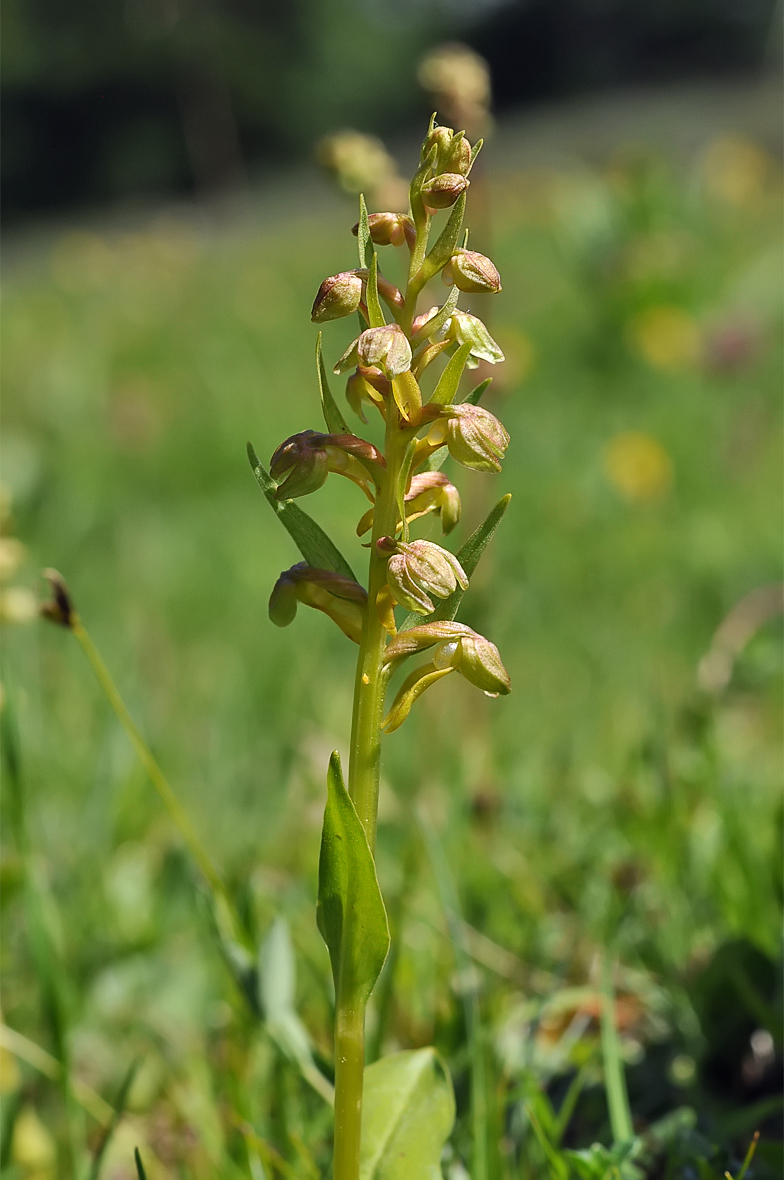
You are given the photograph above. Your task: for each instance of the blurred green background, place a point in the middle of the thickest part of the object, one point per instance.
(625, 795)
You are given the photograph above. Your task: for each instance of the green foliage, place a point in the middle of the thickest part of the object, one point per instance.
(407, 1116)
(348, 886)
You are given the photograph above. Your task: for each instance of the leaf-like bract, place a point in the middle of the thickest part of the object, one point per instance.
(468, 556)
(336, 423)
(311, 540)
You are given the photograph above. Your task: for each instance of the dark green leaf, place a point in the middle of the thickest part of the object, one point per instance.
(375, 314)
(119, 1110)
(139, 1165)
(407, 1115)
(446, 242)
(311, 540)
(468, 557)
(478, 392)
(350, 912)
(444, 393)
(363, 235)
(336, 423)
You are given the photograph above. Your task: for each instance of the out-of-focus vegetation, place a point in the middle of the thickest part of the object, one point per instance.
(608, 803)
(121, 100)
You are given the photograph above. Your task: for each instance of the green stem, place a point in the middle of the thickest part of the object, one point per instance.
(614, 1078)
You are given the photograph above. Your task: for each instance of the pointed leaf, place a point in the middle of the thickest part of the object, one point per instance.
(468, 557)
(350, 912)
(447, 240)
(363, 235)
(478, 392)
(311, 540)
(140, 1172)
(375, 314)
(336, 423)
(407, 1115)
(475, 150)
(446, 390)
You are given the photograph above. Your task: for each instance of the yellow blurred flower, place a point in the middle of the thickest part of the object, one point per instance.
(32, 1147)
(668, 337)
(12, 555)
(638, 466)
(735, 169)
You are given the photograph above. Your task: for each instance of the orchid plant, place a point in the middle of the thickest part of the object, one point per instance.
(408, 1105)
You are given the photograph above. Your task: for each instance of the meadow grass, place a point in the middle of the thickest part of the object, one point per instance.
(609, 806)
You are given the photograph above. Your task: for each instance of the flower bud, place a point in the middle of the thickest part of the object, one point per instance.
(475, 437)
(60, 608)
(344, 600)
(303, 462)
(417, 569)
(386, 348)
(337, 296)
(478, 660)
(458, 156)
(441, 138)
(465, 328)
(472, 272)
(442, 191)
(416, 639)
(388, 229)
(432, 491)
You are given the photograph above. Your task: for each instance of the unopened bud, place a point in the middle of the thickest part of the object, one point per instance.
(441, 139)
(303, 462)
(475, 437)
(386, 348)
(432, 491)
(479, 661)
(465, 328)
(458, 157)
(337, 296)
(388, 229)
(344, 600)
(442, 191)
(418, 569)
(472, 272)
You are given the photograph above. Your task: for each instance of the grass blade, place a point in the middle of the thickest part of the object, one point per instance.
(614, 1078)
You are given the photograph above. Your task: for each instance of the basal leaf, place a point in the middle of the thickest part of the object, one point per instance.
(311, 540)
(468, 557)
(446, 242)
(375, 314)
(336, 423)
(363, 235)
(350, 912)
(407, 1115)
(444, 393)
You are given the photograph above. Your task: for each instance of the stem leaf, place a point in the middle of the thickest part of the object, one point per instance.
(336, 423)
(311, 540)
(350, 911)
(407, 1114)
(468, 557)
(478, 392)
(444, 393)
